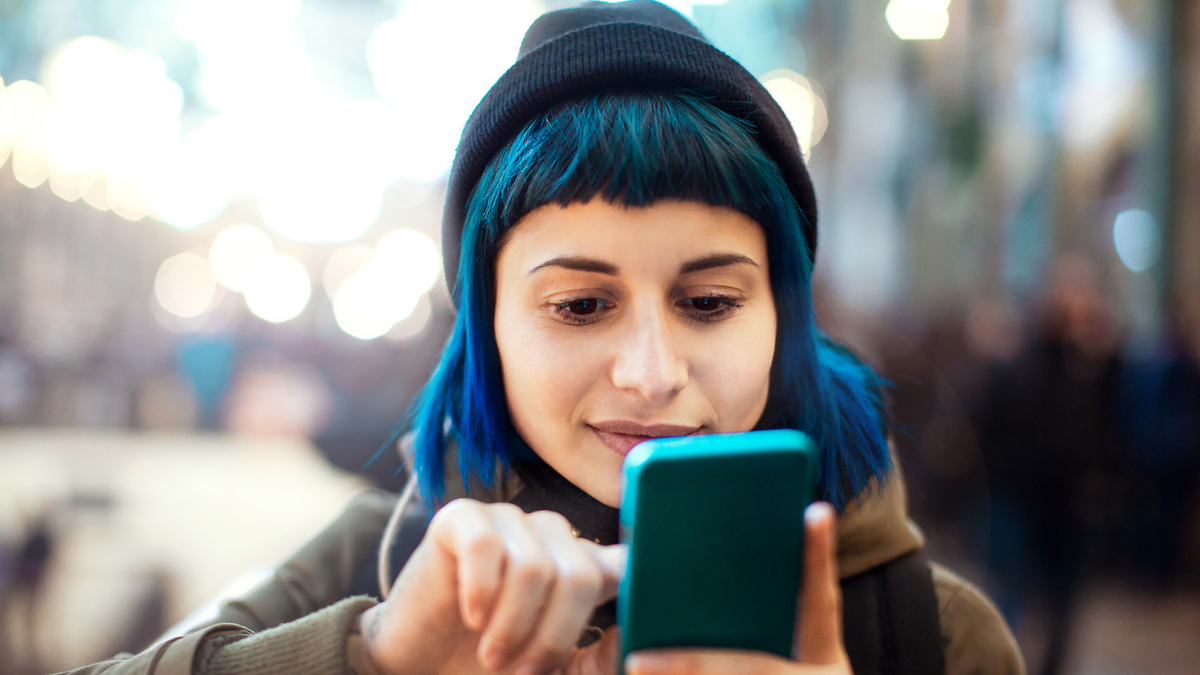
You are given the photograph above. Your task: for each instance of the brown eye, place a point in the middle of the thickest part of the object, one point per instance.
(584, 306)
(706, 303)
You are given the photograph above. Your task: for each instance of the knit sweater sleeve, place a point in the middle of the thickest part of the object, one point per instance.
(312, 645)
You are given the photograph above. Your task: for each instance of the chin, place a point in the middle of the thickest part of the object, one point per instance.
(601, 477)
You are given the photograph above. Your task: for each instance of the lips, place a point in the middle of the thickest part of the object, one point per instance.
(622, 435)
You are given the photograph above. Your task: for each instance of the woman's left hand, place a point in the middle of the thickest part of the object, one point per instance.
(819, 622)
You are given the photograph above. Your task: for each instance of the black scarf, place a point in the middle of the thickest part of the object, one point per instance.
(546, 490)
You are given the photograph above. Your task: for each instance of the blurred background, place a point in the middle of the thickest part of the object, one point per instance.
(202, 201)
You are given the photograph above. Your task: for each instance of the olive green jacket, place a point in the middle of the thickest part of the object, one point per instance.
(297, 621)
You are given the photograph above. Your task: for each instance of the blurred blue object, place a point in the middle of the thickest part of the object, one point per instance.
(208, 363)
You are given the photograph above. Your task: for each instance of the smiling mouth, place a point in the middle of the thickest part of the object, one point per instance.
(621, 436)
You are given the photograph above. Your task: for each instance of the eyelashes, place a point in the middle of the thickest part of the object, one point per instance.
(708, 308)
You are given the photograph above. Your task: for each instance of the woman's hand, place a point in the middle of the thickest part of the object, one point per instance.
(819, 622)
(493, 589)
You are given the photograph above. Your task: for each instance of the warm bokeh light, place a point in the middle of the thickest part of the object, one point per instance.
(21, 104)
(685, 6)
(343, 264)
(278, 289)
(316, 161)
(185, 285)
(236, 252)
(1137, 239)
(190, 184)
(23, 111)
(111, 112)
(250, 62)
(366, 306)
(415, 324)
(408, 258)
(107, 129)
(918, 19)
(428, 47)
(319, 169)
(804, 109)
(388, 287)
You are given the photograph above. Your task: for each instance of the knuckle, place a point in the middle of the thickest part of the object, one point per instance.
(550, 520)
(505, 508)
(452, 511)
(581, 583)
(485, 543)
(534, 571)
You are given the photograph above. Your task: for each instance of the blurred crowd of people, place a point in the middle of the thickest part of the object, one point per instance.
(1049, 449)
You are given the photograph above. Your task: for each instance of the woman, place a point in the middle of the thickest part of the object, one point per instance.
(633, 231)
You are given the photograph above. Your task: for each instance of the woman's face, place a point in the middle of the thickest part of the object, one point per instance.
(619, 324)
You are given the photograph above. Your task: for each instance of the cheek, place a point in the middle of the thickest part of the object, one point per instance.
(736, 375)
(544, 380)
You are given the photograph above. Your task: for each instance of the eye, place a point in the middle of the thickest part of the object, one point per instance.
(706, 303)
(581, 310)
(709, 308)
(583, 306)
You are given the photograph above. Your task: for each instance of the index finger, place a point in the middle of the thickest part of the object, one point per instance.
(819, 620)
(612, 561)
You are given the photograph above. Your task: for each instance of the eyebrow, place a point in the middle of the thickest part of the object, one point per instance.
(582, 264)
(715, 260)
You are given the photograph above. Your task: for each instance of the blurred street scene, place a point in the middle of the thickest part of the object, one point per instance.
(221, 286)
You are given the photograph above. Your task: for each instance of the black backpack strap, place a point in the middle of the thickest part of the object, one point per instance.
(890, 619)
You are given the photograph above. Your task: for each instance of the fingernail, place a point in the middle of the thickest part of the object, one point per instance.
(817, 511)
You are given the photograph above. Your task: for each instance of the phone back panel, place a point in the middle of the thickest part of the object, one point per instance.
(715, 525)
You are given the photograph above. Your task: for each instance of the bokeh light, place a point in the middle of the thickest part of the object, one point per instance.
(111, 113)
(388, 287)
(250, 62)
(1137, 239)
(23, 111)
(236, 252)
(460, 60)
(918, 19)
(278, 289)
(415, 323)
(685, 6)
(345, 262)
(408, 258)
(190, 184)
(804, 109)
(185, 285)
(367, 306)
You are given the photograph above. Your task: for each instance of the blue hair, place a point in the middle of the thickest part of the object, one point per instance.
(634, 148)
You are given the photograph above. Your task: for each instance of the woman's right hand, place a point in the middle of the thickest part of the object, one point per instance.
(493, 589)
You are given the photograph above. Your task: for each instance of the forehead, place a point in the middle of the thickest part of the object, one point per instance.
(660, 236)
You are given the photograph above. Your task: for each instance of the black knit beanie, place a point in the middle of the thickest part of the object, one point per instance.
(611, 46)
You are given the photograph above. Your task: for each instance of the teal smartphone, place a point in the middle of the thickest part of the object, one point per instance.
(715, 527)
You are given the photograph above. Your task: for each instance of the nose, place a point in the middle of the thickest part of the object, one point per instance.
(648, 361)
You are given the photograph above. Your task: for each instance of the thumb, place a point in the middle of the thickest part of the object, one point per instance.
(819, 620)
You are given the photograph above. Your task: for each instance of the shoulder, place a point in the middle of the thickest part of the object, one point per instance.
(976, 639)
